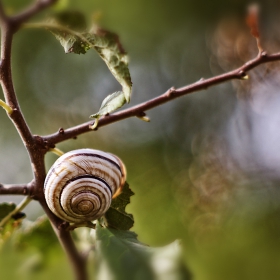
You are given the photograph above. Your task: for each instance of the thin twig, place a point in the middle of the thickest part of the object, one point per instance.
(15, 189)
(34, 9)
(239, 73)
(61, 230)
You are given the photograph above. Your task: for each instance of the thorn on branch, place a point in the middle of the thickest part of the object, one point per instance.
(201, 80)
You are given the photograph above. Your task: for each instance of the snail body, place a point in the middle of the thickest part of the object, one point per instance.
(80, 185)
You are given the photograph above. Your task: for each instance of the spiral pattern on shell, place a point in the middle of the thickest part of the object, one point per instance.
(80, 185)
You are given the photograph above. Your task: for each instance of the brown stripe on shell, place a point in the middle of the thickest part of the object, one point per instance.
(110, 172)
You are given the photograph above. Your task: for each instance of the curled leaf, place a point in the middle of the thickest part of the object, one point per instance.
(110, 104)
(108, 46)
(70, 29)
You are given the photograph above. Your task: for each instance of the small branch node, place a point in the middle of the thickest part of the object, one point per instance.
(263, 54)
(61, 130)
(171, 91)
(48, 145)
(242, 75)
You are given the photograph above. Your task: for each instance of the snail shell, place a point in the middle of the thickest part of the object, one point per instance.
(80, 185)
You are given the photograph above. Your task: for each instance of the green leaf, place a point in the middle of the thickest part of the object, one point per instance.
(111, 103)
(108, 46)
(121, 256)
(116, 216)
(6, 208)
(12, 224)
(70, 28)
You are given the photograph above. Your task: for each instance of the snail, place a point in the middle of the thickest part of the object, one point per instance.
(80, 185)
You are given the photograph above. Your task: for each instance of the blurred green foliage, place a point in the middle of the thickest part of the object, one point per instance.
(182, 166)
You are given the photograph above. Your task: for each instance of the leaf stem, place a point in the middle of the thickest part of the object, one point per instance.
(56, 151)
(19, 207)
(6, 107)
(49, 25)
(95, 124)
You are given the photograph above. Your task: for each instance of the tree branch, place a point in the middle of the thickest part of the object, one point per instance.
(34, 144)
(8, 88)
(3, 16)
(16, 189)
(239, 73)
(61, 230)
(34, 9)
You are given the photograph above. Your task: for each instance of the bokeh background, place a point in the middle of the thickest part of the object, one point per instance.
(206, 169)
